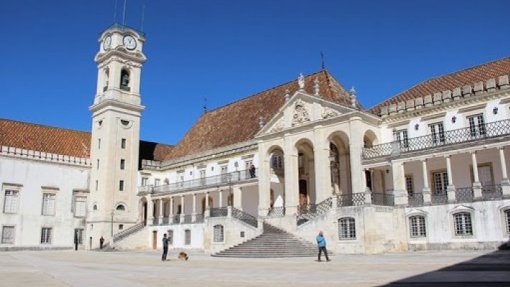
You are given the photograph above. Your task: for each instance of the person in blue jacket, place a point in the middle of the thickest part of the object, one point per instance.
(321, 243)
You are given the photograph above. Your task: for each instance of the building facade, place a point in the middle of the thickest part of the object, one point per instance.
(425, 169)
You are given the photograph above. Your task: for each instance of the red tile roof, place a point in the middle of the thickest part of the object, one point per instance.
(239, 121)
(62, 141)
(451, 81)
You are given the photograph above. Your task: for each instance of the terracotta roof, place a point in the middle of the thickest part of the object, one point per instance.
(238, 122)
(63, 141)
(451, 81)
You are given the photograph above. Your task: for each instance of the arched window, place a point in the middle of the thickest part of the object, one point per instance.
(124, 80)
(94, 207)
(218, 233)
(463, 225)
(417, 226)
(346, 228)
(187, 237)
(106, 79)
(120, 207)
(507, 220)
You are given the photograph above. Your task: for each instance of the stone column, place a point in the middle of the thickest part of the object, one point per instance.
(182, 208)
(150, 210)
(505, 183)
(194, 214)
(160, 219)
(477, 187)
(264, 180)
(171, 212)
(323, 188)
(291, 177)
(451, 187)
(238, 199)
(220, 198)
(355, 149)
(399, 183)
(426, 189)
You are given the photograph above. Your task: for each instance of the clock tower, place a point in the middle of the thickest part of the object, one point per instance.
(116, 113)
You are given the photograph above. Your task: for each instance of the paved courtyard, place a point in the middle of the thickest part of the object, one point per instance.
(83, 268)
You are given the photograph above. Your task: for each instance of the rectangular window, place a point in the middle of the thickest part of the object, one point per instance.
(8, 235)
(187, 237)
(476, 126)
(418, 228)
(11, 201)
(78, 232)
(202, 177)
(402, 138)
(122, 164)
(409, 185)
(48, 207)
(437, 133)
(46, 235)
(121, 185)
(123, 143)
(463, 225)
(440, 182)
(156, 181)
(224, 170)
(144, 181)
(80, 206)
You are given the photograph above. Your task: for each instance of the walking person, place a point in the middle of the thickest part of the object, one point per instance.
(76, 240)
(321, 243)
(165, 247)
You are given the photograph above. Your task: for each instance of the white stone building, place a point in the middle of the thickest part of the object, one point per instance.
(425, 169)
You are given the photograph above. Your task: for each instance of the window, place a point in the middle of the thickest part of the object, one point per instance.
(8, 235)
(402, 138)
(121, 226)
(180, 178)
(417, 225)
(476, 126)
(170, 237)
(46, 235)
(218, 233)
(120, 207)
(202, 177)
(123, 143)
(97, 166)
(409, 185)
(440, 182)
(157, 181)
(437, 133)
(48, 207)
(98, 143)
(78, 233)
(144, 181)
(124, 80)
(224, 170)
(507, 220)
(80, 206)
(277, 162)
(346, 228)
(187, 237)
(463, 226)
(122, 164)
(11, 201)
(121, 185)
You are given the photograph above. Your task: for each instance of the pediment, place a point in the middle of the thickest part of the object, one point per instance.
(302, 109)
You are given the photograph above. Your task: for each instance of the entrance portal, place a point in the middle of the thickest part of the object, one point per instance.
(303, 195)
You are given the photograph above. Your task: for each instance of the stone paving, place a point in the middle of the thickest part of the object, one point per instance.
(85, 268)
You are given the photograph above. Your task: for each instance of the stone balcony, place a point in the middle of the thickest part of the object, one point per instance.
(452, 139)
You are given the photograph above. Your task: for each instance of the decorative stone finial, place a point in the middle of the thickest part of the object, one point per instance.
(261, 122)
(301, 81)
(287, 95)
(316, 87)
(352, 91)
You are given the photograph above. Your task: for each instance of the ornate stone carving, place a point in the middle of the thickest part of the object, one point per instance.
(329, 113)
(301, 114)
(277, 127)
(301, 82)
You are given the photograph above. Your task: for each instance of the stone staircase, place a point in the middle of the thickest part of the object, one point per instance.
(272, 243)
(125, 233)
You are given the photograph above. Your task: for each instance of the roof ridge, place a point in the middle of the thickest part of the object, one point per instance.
(44, 126)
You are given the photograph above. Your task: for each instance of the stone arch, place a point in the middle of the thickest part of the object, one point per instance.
(306, 173)
(125, 79)
(339, 162)
(370, 138)
(120, 207)
(142, 208)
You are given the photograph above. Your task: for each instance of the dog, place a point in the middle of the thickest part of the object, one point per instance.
(183, 256)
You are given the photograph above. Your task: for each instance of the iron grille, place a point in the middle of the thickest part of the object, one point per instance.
(278, 211)
(415, 199)
(464, 194)
(218, 212)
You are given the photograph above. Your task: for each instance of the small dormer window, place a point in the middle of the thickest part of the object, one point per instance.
(124, 80)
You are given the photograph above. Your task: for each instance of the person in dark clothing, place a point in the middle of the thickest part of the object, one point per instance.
(252, 171)
(321, 243)
(165, 247)
(76, 241)
(101, 241)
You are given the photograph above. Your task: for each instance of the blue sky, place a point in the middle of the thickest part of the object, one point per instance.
(228, 50)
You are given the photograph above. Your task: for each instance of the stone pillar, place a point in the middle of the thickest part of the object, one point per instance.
(150, 210)
(323, 187)
(426, 189)
(291, 177)
(171, 211)
(194, 213)
(160, 209)
(182, 208)
(220, 198)
(451, 187)
(207, 211)
(477, 187)
(264, 177)
(238, 199)
(505, 183)
(399, 183)
(355, 148)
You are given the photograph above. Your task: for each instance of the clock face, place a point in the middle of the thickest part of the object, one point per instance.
(107, 43)
(129, 42)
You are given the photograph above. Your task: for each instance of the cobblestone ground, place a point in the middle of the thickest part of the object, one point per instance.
(84, 268)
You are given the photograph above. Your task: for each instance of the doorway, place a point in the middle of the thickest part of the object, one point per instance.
(154, 239)
(303, 194)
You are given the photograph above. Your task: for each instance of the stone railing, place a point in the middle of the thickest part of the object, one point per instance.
(44, 156)
(462, 195)
(244, 217)
(466, 91)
